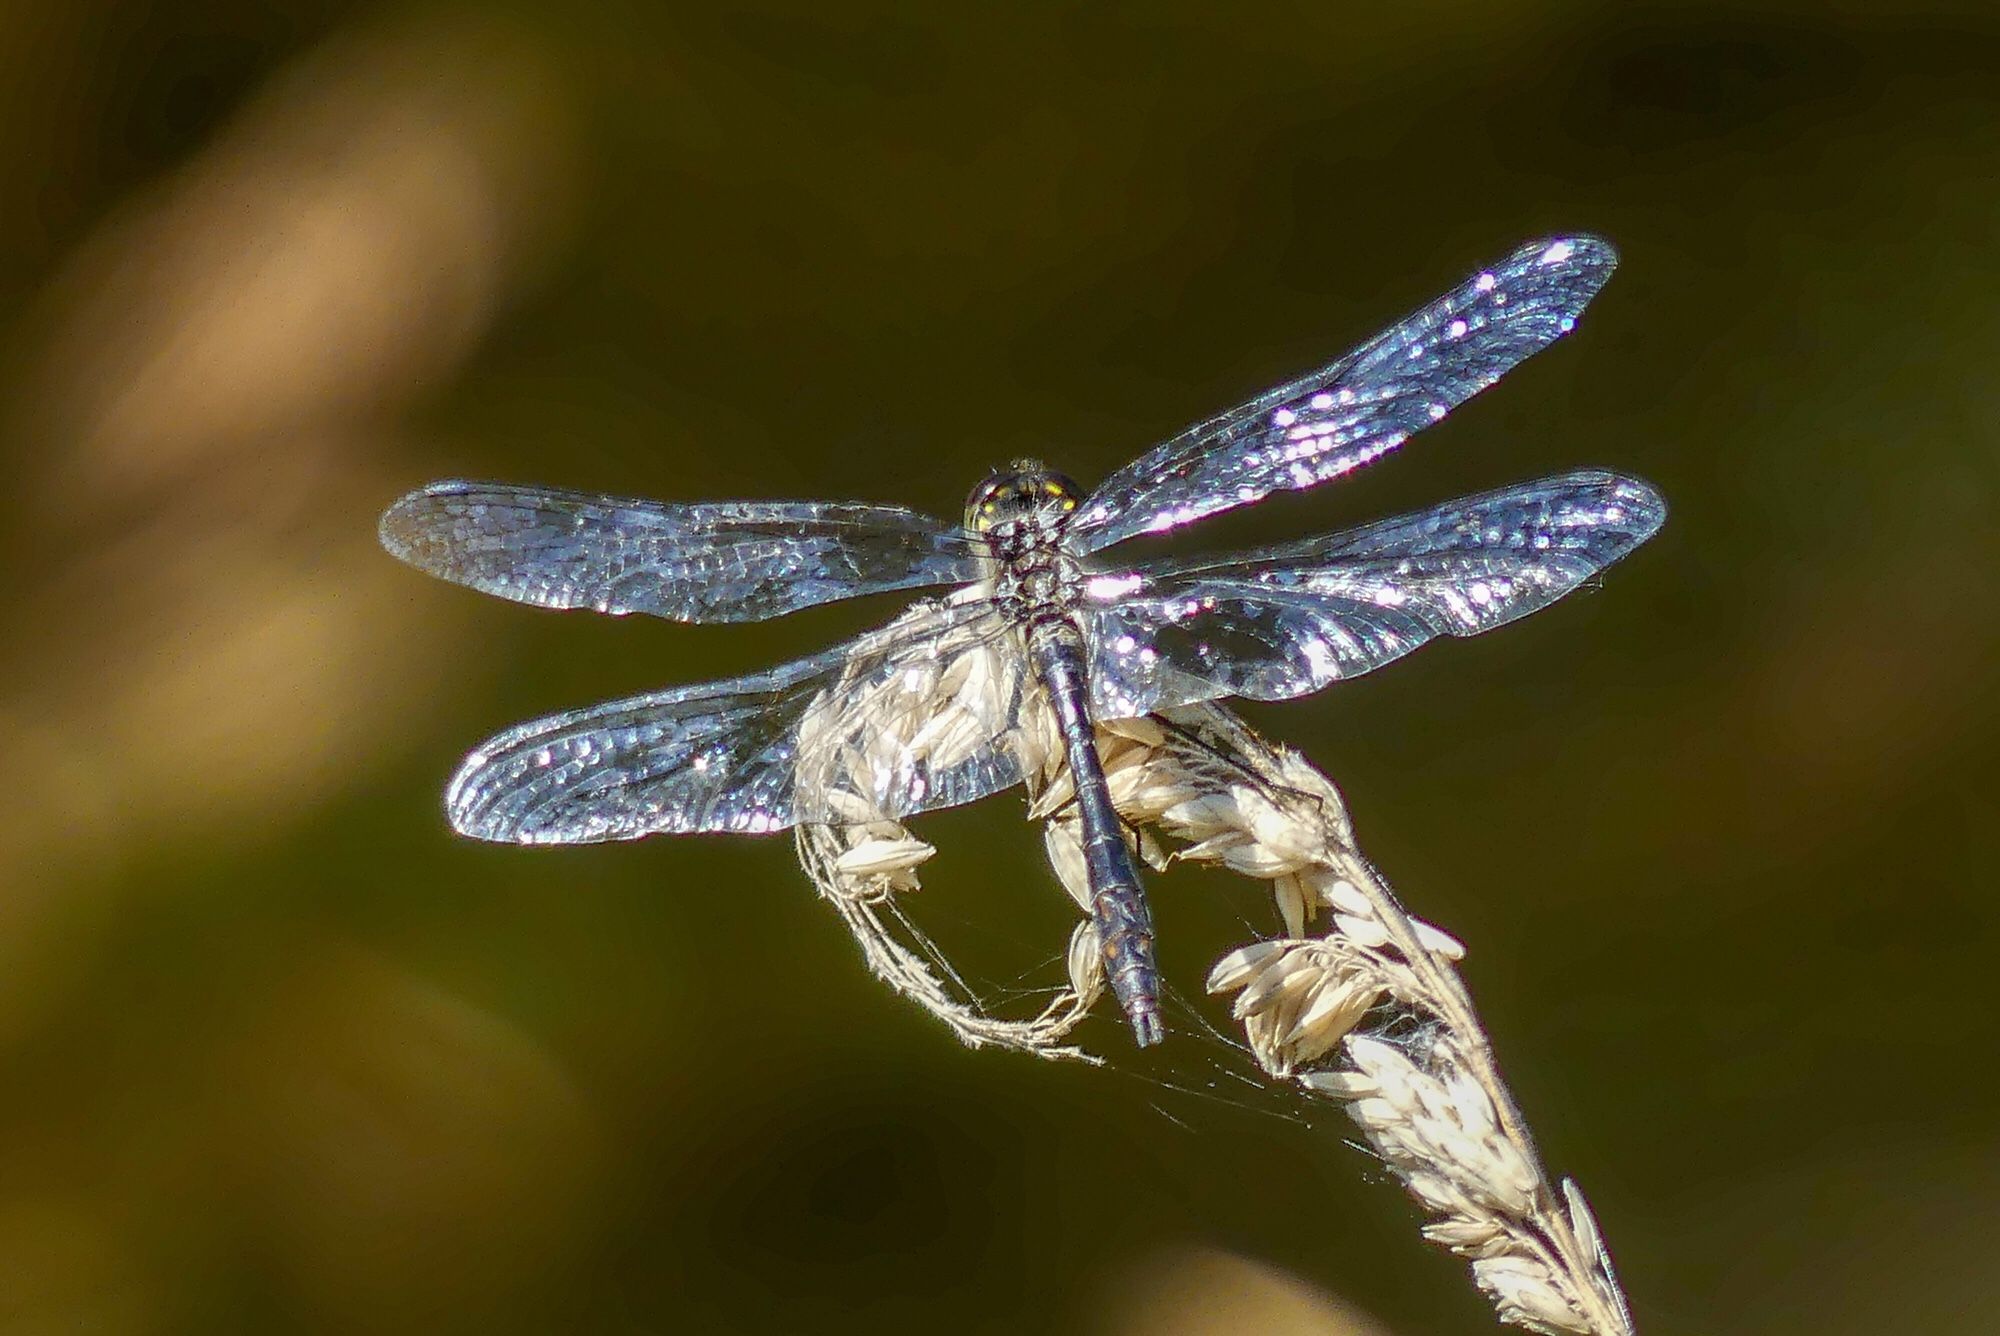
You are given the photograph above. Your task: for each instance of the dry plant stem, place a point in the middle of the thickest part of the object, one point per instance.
(1377, 988)
(860, 869)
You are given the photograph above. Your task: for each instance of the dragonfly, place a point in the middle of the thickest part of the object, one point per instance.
(1039, 614)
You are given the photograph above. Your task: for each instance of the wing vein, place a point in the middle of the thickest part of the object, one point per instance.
(736, 561)
(1356, 409)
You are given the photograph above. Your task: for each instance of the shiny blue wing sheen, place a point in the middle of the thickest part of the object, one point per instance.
(1369, 402)
(913, 716)
(740, 561)
(1289, 620)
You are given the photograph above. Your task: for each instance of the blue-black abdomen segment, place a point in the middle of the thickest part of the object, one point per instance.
(1118, 906)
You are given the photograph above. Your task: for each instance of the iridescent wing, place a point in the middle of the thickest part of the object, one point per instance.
(919, 714)
(1362, 406)
(723, 562)
(1286, 621)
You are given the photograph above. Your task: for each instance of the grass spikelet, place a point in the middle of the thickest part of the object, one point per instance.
(1356, 1002)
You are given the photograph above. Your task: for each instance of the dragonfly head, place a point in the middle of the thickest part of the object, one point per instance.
(1024, 489)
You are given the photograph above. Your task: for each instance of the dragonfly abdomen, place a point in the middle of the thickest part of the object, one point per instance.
(1118, 906)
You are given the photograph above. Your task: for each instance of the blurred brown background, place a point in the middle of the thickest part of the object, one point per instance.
(279, 1054)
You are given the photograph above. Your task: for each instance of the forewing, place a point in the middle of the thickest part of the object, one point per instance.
(916, 715)
(1283, 622)
(738, 561)
(1367, 403)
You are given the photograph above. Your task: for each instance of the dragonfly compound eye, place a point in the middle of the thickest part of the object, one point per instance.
(1020, 493)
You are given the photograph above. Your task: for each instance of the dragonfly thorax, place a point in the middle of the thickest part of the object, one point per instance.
(1022, 513)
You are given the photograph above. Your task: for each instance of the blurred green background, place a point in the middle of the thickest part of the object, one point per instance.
(277, 1053)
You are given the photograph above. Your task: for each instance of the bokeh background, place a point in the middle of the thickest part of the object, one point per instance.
(277, 1053)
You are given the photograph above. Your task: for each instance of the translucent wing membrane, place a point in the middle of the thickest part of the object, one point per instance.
(725, 562)
(914, 716)
(1289, 620)
(941, 706)
(1367, 403)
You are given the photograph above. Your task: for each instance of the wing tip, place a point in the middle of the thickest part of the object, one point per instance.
(1643, 502)
(394, 530)
(1572, 250)
(495, 796)
(1645, 508)
(404, 529)
(1579, 264)
(468, 804)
